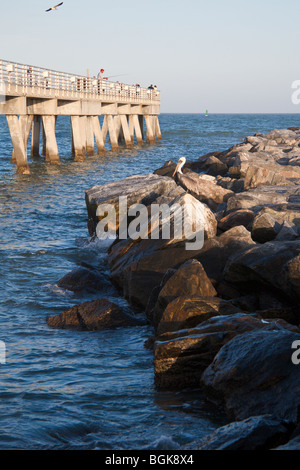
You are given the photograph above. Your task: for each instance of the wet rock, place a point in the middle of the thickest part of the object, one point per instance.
(139, 189)
(189, 280)
(181, 357)
(255, 433)
(98, 314)
(255, 375)
(82, 279)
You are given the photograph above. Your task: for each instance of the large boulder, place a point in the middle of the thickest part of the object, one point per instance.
(293, 444)
(180, 357)
(83, 279)
(255, 375)
(139, 189)
(137, 266)
(268, 175)
(274, 264)
(189, 280)
(217, 251)
(100, 314)
(255, 433)
(188, 311)
(235, 219)
(207, 191)
(265, 228)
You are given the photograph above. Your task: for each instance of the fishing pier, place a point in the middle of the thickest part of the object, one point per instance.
(31, 98)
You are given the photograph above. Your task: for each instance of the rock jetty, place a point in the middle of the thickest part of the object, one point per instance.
(225, 315)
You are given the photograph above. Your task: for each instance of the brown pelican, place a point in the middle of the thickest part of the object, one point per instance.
(202, 189)
(187, 182)
(55, 8)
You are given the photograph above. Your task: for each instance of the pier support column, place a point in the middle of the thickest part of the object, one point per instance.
(44, 149)
(118, 127)
(141, 122)
(126, 132)
(90, 141)
(83, 127)
(35, 137)
(157, 128)
(17, 138)
(26, 124)
(52, 155)
(98, 135)
(104, 128)
(137, 128)
(79, 147)
(112, 133)
(131, 127)
(150, 130)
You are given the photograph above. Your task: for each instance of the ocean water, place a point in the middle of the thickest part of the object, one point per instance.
(63, 389)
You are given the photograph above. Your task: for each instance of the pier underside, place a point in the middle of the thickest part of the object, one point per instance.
(128, 124)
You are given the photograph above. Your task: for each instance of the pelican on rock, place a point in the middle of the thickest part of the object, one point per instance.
(186, 181)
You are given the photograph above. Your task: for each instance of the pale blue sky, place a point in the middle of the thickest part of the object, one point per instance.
(225, 55)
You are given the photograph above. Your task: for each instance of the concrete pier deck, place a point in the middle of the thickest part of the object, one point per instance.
(33, 97)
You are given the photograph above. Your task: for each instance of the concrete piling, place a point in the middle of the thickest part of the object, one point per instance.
(52, 155)
(17, 138)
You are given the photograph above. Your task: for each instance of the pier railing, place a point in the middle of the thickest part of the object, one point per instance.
(28, 80)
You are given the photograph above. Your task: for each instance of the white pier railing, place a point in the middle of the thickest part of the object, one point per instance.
(28, 80)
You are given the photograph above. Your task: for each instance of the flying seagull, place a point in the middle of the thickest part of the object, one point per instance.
(55, 8)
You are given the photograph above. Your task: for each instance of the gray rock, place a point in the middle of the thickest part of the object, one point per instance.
(255, 433)
(180, 357)
(265, 228)
(138, 266)
(139, 189)
(275, 264)
(255, 375)
(293, 444)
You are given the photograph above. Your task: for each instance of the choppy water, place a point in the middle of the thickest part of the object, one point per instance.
(88, 390)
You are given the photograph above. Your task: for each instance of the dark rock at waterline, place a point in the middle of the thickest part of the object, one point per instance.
(83, 279)
(255, 433)
(180, 357)
(100, 314)
(293, 444)
(254, 374)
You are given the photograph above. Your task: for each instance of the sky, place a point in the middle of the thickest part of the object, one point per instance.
(227, 56)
